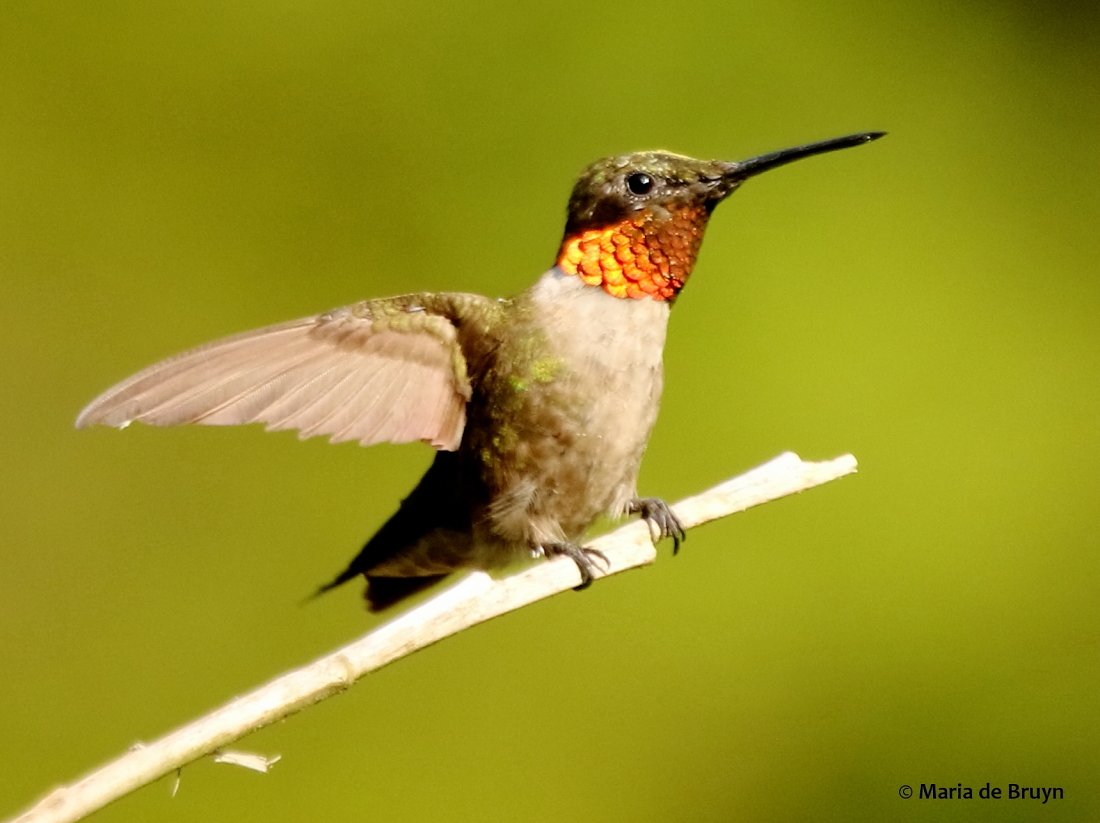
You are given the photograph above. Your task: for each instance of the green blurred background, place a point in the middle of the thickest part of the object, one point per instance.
(174, 172)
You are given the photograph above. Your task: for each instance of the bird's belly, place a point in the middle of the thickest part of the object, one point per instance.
(573, 450)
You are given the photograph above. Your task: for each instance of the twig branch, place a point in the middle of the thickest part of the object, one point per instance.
(475, 599)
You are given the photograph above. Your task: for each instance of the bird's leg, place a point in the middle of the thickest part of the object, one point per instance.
(661, 519)
(580, 556)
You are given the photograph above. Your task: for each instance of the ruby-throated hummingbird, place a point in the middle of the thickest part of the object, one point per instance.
(540, 406)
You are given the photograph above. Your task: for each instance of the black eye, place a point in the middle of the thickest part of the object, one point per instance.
(639, 183)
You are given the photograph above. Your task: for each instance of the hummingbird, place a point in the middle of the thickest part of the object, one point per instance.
(540, 406)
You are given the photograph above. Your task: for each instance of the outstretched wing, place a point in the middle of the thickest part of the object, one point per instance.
(383, 370)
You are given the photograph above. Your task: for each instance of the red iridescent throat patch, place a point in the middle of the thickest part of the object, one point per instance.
(639, 256)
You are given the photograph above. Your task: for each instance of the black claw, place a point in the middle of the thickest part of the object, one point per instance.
(657, 512)
(579, 555)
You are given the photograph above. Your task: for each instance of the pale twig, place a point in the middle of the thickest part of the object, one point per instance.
(475, 599)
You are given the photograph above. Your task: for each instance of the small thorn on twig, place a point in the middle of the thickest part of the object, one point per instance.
(247, 760)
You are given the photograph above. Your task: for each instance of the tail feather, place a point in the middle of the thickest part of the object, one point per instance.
(340, 579)
(383, 592)
(434, 505)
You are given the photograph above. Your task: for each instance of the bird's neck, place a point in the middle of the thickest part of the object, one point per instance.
(645, 255)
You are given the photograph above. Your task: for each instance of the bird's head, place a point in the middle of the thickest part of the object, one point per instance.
(636, 221)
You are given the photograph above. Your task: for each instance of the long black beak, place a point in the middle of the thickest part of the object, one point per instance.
(748, 168)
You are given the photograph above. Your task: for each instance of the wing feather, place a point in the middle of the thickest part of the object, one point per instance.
(377, 371)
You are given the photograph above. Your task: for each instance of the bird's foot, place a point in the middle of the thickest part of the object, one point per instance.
(662, 521)
(582, 557)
